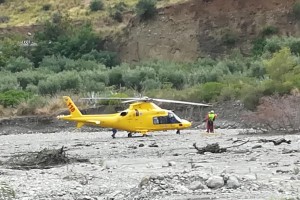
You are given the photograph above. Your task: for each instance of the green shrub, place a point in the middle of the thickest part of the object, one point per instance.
(13, 97)
(68, 80)
(251, 96)
(54, 63)
(96, 5)
(132, 80)
(4, 19)
(48, 86)
(46, 7)
(116, 77)
(257, 70)
(91, 79)
(146, 9)
(108, 58)
(296, 10)
(295, 47)
(281, 63)
(269, 30)
(272, 46)
(150, 84)
(258, 46)
(2, 1)
(227, 93)
(8, 81)
(117, 15)
(176, 78)
(19, 64)
(229, 39)
(207, 92)
(117, 11)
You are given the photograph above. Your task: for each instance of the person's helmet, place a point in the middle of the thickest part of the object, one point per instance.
(212, 111)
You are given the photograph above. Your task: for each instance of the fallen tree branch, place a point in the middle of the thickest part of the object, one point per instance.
(276, 142)
(238, 144)
(213, 148)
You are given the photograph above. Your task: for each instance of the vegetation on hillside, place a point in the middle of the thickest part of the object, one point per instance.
(29, 12)
(69, 58)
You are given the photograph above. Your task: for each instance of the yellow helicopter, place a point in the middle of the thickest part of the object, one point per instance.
(142, 116)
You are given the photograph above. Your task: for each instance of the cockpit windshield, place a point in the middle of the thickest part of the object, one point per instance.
(173, 116)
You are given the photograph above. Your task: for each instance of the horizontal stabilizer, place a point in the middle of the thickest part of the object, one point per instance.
(93, 121)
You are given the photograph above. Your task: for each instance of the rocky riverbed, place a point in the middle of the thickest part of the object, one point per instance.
(161, 166)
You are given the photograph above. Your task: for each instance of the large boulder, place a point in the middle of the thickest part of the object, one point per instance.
(215, 182)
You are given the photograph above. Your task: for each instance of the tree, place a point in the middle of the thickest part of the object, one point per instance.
(96, 5)
(281, 63)
(146, 9)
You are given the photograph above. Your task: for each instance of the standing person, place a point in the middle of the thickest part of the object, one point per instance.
(210, 118)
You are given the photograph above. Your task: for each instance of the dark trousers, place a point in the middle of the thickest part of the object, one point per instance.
(210, 126)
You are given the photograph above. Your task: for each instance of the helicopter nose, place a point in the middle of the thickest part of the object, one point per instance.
(186, 124)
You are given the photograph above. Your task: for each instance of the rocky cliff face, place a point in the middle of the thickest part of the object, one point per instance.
(184, 32)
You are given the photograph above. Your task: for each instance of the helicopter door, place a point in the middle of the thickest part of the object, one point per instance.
(137, 118)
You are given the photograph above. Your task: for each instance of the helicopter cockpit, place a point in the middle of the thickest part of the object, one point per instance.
(171, 118)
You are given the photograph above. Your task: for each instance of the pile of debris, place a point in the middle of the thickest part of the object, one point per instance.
(43, 159)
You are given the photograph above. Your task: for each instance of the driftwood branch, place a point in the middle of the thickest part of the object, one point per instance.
(276, 142)
(213, 148)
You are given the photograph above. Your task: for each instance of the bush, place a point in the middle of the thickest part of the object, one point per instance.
(54, 63)
(13, 97)
(207, 92)
(146, 9)
(117, 15)
(8, 81)
(151, 84)
(229, 39)
(117, 11)
(258, 46)
(251, 96)
(4, 19)
(96, 5)
(281, 63)
(269, 30)
(296, 10)
(2, 1)
(31, 105)
(46, 7)
(48, 86)
(295, 47)
(19, 64)
(116, 77)
(176, 78)
(108, 58)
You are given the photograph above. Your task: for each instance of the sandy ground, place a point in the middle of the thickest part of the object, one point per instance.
(162, 166)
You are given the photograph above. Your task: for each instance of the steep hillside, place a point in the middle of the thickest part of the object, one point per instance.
(22, 16)
(196, 28)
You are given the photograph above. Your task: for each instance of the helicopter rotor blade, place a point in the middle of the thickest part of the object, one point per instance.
(146, 99)
(111, 98)
(181, 102)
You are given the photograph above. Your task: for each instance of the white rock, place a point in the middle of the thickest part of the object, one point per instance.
(172, 163)
(196, 185)
(250, 177)
(215, 182)
(233, 182)
(144, 181)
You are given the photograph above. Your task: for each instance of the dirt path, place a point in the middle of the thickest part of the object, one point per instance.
(164, 166)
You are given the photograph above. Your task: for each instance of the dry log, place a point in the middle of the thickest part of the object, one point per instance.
(213, 148)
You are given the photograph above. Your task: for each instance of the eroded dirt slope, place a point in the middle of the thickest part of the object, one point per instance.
(186, 31)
